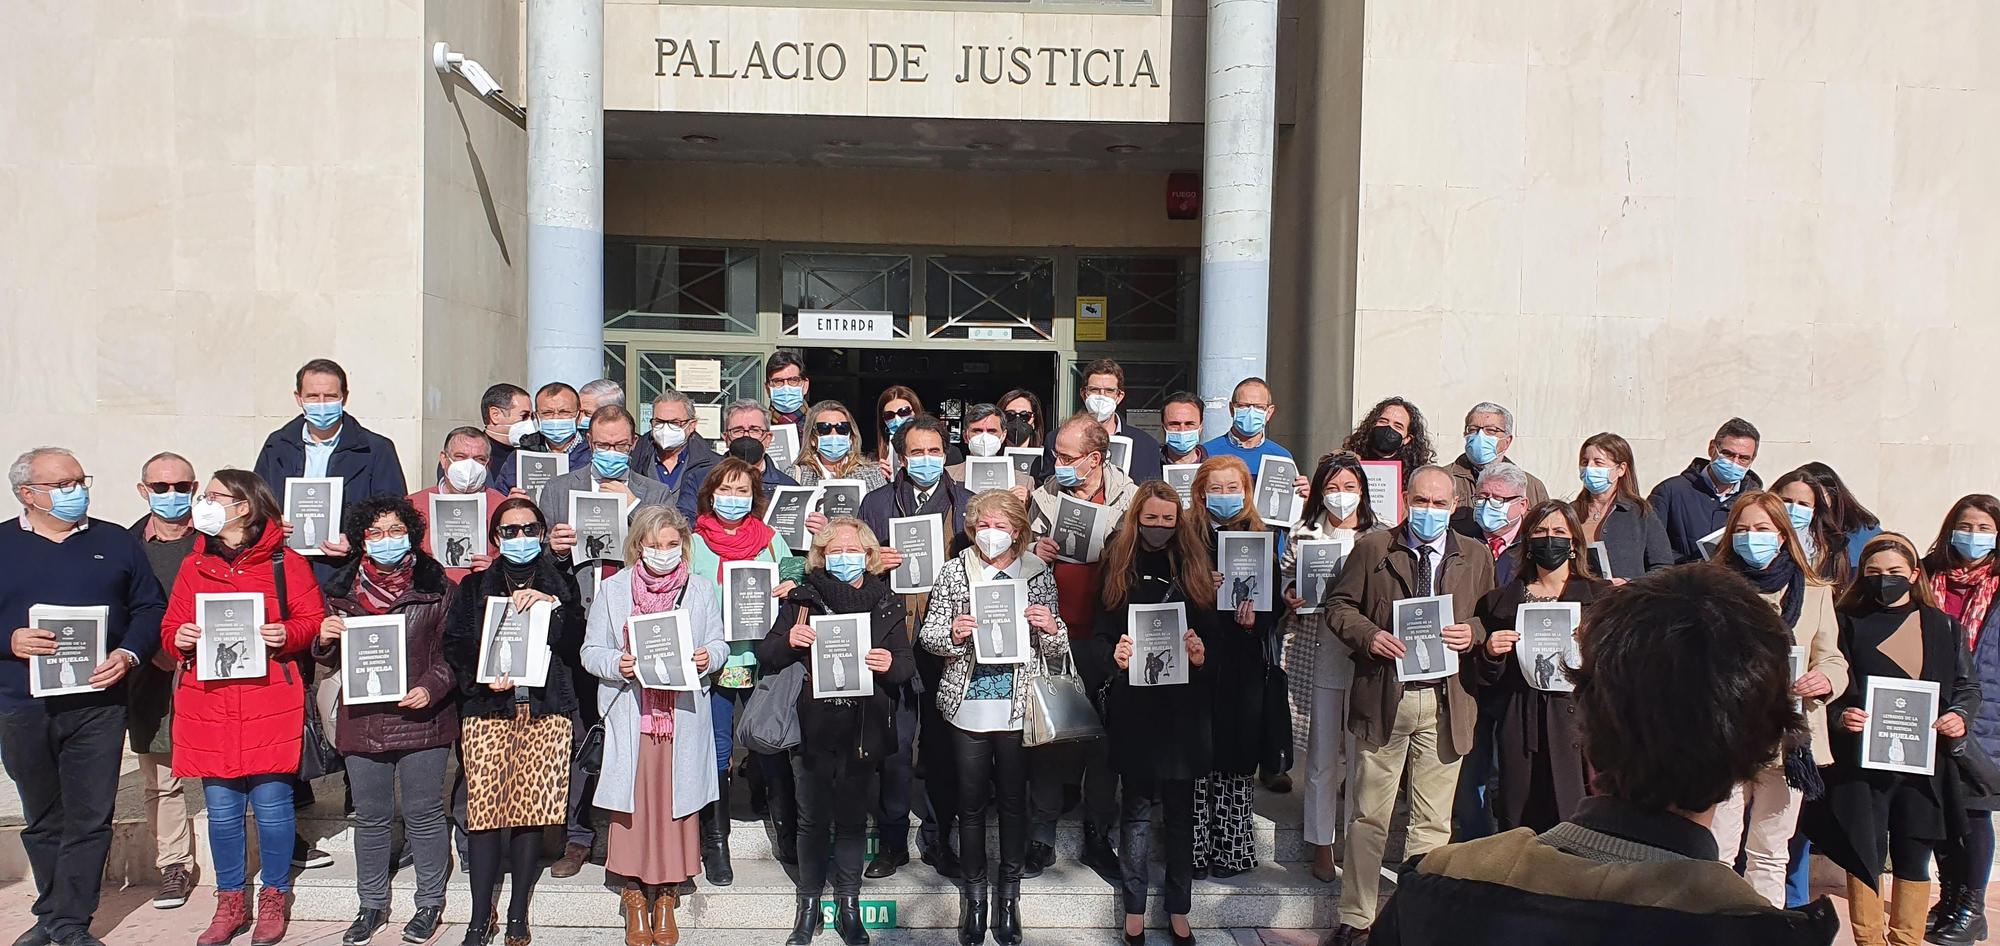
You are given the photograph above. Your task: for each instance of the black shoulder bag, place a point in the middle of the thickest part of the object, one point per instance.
(317, 756)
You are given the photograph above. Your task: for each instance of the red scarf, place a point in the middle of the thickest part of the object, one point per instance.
(653, 594)
(751, 539)
(1979, 583)
(377, 589)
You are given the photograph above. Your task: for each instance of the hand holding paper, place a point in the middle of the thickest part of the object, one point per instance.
(878, 660)
(1950, 725)
(1197, 651)
(1458, 637)
(273, 634)
(1500, 643)
(35, 642)
(114, 667)
(1813, 684)
(1122, 654)
(1386, 646)
(528, 597)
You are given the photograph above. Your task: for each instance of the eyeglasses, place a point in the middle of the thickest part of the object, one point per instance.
(1494, 432)
(671, 421)
(181, 487)
(843, 427)
(622, 446)
(532, 530)
(899, 412)
(747, 431)
(66, 484)
(393, 532)
(226, 499)
(1065, 460)
(787, 382)
(1488, 497)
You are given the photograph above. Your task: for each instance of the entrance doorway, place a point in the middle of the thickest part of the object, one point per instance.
(948, 381)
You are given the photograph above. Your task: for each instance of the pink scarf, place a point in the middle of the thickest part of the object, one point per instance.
(652, 594)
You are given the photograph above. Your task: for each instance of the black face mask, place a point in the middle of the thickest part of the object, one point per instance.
(1019, 432)
(748, 449)
(1155, 538)
(1549, 551)
(1886, 589)
(1385, 442)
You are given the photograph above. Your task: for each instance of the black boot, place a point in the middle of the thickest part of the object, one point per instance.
(847, 920)
(1098, 854)
(715, 842)
(1965, 925)
(1007, 913)
(785, 831)
(972, 914)
(806, 923)
(1948, 894)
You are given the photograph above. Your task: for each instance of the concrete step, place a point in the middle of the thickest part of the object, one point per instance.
(1067, 896)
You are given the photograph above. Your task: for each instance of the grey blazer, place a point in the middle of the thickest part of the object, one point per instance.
(555, 496)
(1637, 541)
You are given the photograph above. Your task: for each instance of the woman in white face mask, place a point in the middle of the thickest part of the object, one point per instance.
(659, 745)
(832, 449)
(1319, 664)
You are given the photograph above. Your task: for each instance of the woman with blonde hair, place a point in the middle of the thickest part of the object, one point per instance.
(832, 449)
(984, 705)
(842, 740)
(1760, 544)
(658, 771)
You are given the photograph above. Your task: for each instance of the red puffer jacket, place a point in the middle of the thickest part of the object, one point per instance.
(234, 728)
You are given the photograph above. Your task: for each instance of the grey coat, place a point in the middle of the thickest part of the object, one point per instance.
(555, 496)
(1636, 540)
(618, 699)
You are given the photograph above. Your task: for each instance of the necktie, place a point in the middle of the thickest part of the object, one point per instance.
(1497, 544)
(1424, 577)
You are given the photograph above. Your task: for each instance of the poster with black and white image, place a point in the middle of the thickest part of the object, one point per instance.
(1798, 670)
(1159, 644)
(1385, 490)
(983, 474)
(458, 528)
(1548, 643)
(1420, 624)
(1277, 490)
(1319, 563)
(663, 651)
(80, 648)
(533, 470)
(840, 643)
(1120, 452)
(1079, 529)
(1899, 737)
(1023, 459)
(1600, 560)
(599, 521)
(514, 644)
(231, 647)
(1180, 476)
(784, 449)
(312, 506)
(747, 606)
(1000, 609)
(1245, 560)
(921, 540)
(786, 514)
(841, 498)
(374, 661)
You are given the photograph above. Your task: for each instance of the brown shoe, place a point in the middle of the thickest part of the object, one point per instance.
(1346, 936)
(571, 861)
(176, 885)
(232, 917)
(274, 914)
(638, 924)
(666, 931)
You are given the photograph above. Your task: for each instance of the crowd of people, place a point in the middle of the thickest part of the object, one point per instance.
(1698, 727)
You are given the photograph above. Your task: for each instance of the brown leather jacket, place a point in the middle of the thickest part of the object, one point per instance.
(386, 727)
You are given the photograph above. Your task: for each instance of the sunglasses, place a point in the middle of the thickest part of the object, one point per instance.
(898, 412)
(182, 487)
(825, 427)
(529, 529)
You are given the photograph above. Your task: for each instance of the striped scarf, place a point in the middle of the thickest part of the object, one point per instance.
(1979, 583)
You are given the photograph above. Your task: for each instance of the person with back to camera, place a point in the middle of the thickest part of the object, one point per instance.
(1636, 864)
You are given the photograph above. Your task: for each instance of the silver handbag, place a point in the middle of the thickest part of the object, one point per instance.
(1057, 709)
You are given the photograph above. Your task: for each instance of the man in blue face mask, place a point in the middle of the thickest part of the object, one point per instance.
(559, 428)
(1250, 409)
(789, 388)
(1489, 434)
(1695, 503)
(1180, 420)
(325, 440)
(167, 483)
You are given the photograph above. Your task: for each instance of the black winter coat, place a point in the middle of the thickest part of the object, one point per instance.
(461, 642)
(1155, 732)
(1239, 661)
(829, 727)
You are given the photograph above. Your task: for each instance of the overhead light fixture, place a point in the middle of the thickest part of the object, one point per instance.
(1121, 148)
(700, 139)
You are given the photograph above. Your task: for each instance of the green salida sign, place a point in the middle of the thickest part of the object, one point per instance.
(875, 914)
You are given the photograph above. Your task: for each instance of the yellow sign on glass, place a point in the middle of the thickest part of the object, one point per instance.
(1090, 318)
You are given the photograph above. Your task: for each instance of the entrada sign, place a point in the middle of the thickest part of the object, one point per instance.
(906, 62)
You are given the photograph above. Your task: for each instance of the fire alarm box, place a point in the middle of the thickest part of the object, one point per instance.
(1184, 195)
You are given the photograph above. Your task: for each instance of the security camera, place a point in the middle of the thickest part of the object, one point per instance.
(446, 62)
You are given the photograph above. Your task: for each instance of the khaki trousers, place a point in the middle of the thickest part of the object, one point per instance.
(1419, 744)
(1771, 810)
(166, 811)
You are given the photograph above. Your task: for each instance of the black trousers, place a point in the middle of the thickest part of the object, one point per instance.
(833, 793)
(891, 806)
(992, 767)
(936, 753)
(65, 765)
(1173, 799)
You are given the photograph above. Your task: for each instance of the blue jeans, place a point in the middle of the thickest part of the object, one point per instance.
(722, 703)
(270, 796)
(1472, 809)
(1798, 875)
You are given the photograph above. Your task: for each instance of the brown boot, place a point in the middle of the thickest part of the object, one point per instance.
(666, 930)
(232, 917)
(1864, 913)
(638, 925)
(1906, 912)
(1322, 869)
(571, 862)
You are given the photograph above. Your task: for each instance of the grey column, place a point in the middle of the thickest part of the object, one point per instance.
(1239, 120)
(565, 190)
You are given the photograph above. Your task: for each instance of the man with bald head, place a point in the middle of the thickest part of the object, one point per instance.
(1418, 727)
(167, 483)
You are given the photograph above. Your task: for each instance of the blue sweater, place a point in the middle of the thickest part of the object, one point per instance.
(99, 565)
(1251, 456)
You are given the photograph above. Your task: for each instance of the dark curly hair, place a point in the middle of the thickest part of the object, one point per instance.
(359, 516)
(1416, 450)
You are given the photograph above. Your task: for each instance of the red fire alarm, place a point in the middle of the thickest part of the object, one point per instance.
(1184, 195)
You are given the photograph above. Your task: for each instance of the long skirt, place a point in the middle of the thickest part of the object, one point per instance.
(516, 771)
(650, 845)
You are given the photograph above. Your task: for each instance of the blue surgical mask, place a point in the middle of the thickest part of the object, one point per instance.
(788, 398)
(1597, 479)
(1492, 515)
(583, 423)
(1481, 447)
(610, 464)
(323, 414)
(1224, 505)
(1973, 545)
(834, 447)
(1068, 477)
(1429, 523)
(925, 470)
(847, 566)
(558, 429)
(170, 505)
(1249, 421)
(1727, 471)
(521, 549)
(732, 508)
(896, 424)
(1757, 549)
(1183, 441)
(1802, 516)
(69, 503)
(389, 552)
